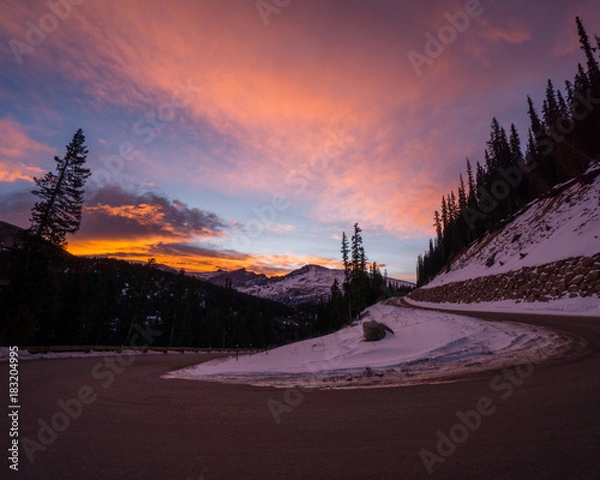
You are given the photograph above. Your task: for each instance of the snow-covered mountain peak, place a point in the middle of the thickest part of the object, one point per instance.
(307, 284)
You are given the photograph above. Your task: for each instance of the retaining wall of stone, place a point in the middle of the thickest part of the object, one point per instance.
(571, 277)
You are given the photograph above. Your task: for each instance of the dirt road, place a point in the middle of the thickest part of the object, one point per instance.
(120, 420)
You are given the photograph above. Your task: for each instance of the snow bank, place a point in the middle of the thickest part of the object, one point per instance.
(578, 306)
(428, 347)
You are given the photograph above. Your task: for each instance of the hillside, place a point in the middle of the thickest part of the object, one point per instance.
(549, 250)
(49, 298)
(8, 234)
(308, 284)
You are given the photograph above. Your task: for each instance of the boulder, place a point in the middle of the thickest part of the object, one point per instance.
(374, 331)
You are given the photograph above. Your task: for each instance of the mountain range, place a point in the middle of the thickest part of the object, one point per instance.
(308, 284)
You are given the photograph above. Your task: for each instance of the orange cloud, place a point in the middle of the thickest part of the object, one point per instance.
(274, 101)
(250, 110)
(18, 171)
(514, 31)
(193, 259)
(19, 153)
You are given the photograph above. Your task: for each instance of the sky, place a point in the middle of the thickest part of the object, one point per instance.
(228, 134)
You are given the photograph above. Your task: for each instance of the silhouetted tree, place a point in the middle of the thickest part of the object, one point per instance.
(61, 195)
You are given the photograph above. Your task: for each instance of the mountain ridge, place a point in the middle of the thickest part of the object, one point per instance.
(307, 284)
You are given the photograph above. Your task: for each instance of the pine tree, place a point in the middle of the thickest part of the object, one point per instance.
(551, 109)
(586, 139)
(570, 94)
(561, 143)
(345, 258)
(562, 105)
(357, 251)
(445, 216)
(437, 223)
(61, 193)
(536, 124)
(582, 82)
(462, 194)
(592, 64)
(520, 193)
(472, 195)
(544, 146)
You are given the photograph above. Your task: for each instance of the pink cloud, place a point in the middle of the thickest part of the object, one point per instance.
(269, 96)
(19, 153)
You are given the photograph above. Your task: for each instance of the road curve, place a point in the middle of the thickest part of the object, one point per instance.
(529, 423)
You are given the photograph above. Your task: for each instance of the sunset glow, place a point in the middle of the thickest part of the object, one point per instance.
(221, 138)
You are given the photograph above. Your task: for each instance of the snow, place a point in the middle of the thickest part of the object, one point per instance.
(576, 307)
(428, 347)
(307, 284)
(550, 229)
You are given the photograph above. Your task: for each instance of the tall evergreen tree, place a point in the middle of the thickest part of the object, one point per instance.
(472, 195)
(462, 194)
(345, 258)
(445, 216)
(551, 109)
(437, 223)
(570, 95)
(61, 195)
(544, 146)
(520, 193)
(562, 105)
(592, 64)
(582, 81)
(358, 253)
(586, 139)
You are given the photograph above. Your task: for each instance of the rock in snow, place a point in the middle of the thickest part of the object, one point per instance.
(375, 331)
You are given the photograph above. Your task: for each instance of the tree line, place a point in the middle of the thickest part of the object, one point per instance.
(61, 299)
(363, 286)
(561, 144)
(50, 297)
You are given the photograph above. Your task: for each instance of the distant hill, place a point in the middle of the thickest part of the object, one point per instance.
(308, 284)
(50, 299)
(8, 233)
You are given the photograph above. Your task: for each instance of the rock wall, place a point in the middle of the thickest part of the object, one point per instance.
(571, 277)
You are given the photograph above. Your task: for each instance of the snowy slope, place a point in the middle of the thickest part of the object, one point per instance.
(307, 284)
(563, 224)
(427, 347)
